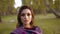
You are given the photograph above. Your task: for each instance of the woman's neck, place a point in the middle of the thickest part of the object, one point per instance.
(27, 26)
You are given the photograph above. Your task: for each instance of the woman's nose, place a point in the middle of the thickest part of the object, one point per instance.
(26, 16)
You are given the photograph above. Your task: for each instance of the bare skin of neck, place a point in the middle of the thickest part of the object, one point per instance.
(27, 26)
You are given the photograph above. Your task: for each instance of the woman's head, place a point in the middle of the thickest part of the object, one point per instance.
(25, 16)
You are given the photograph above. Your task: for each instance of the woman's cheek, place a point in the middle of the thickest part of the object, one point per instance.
(30, 18)
(22, 18)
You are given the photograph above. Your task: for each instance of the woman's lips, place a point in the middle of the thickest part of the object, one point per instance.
(25, 20)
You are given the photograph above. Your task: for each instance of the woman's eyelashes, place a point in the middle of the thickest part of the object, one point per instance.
(28, 14)
(22, 14)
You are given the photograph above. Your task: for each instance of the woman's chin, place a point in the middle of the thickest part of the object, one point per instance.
(26, 23)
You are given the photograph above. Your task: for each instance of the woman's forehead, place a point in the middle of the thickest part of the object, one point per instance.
(26, 11)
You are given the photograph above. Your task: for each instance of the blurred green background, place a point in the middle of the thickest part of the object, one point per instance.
(47, 15)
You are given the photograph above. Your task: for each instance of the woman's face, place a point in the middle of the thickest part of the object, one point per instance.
(26, 16)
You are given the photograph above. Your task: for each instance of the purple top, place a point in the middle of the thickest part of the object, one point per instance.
(22, 30)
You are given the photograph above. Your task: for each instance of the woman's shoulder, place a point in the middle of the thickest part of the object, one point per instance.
(17, 30)
(37, 28)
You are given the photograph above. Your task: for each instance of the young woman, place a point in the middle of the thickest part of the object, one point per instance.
(25, 22)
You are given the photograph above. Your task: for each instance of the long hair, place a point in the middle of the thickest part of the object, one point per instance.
(19, 15)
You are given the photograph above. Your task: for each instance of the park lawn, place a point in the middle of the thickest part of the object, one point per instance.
(48, 24)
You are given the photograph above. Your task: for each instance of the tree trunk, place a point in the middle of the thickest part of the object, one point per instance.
(0, 18)
(56, 13)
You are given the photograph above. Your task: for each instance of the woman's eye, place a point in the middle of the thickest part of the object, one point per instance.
(28, 14)
(25, 14)
(22, 14)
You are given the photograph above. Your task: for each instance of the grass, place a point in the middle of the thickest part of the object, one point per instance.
(49, 24)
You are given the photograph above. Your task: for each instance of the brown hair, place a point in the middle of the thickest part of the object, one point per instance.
(19, 14)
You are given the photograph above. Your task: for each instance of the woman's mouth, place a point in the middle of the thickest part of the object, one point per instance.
(25, 20)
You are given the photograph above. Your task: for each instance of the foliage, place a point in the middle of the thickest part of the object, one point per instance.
(6, 6)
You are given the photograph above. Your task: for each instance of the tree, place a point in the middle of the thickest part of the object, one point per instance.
(37, 5)
(0, 17)
(4, 6)
(54, 8)
(57, 5)
(7, 6)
